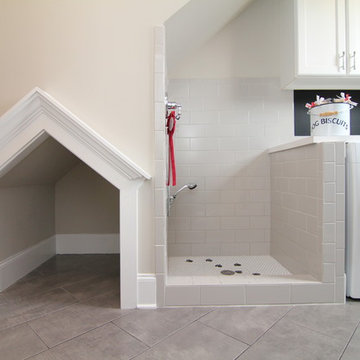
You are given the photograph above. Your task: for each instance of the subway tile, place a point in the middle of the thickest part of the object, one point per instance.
(190, 237)
(184, 210)
(178, 223)
(340, 153)
(340, 262)
(190, 131)
(329, 273)
(179, 249)
(204, 117)
(340, 234)
(182, 295)
(222, 130)
(160, 231)
(160, 258)
(268, 294)
(329, 192)
(329, 152)
(234, 117)
(160, 175)
(160, 116)
(235, 248)
(250, 208)
(329, 213)
(235, 143)
(260, 248)
(234, 196)
(159, 145)
(222, 295)
(203, 88)
(219, 183)
(329, 172)
(251, 235)
(251, 183)
(329, 253)
(312, 293)
(204, 170)
(220, 236)
(159, 87)
(329, 233)
(178, 88)
(239, 222)
(260, 222)
(205, 249)
(340, 178)
(182, 144)
(205, 223)
(340, 207)
(220, 209)
(204, 144)
(160, 202)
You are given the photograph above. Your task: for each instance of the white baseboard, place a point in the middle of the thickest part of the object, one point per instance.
(87, 243)
(16, 266)
(146, 291)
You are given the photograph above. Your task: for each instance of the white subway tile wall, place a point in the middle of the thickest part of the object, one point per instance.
(221, 142)
(308, 228)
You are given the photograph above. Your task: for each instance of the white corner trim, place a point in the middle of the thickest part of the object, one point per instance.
(146, 291)
(16, 266)
(87, 243)
(38, 112)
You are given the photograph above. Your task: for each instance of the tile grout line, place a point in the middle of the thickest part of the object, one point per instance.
(347, 344)
(174, 332)
(261, 336)
(74, 337)
(133, 336)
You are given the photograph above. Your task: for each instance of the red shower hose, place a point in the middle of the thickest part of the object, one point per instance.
(171, 122)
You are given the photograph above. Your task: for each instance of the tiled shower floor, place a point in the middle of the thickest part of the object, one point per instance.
(255, 269)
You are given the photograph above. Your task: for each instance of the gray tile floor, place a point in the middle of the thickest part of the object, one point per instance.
(68, 308)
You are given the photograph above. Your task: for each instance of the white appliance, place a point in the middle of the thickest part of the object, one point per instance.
(352, 258)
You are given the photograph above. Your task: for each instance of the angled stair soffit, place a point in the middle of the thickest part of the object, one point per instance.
(195, 24)
(37, 116)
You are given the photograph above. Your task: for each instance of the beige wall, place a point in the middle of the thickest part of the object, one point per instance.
(96, 58)
(248, 47)
(27, 217)
(85, 203)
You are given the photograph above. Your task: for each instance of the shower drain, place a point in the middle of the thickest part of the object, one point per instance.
(228, 272)
(237, 264)
(238, 271)
(208, 260)
(189, 260)
(256, 273)
(218, 265)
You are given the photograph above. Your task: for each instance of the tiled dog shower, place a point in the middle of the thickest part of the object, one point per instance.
(271, 222)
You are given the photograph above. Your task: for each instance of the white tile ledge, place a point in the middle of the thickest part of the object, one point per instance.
(314, 140)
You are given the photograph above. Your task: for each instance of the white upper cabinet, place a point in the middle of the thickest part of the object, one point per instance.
(321, 44)
(353, 36)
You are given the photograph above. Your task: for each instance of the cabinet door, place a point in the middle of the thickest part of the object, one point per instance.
(353, 33)
(321, 37)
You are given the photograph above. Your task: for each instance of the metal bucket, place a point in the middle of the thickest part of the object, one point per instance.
(330, 119)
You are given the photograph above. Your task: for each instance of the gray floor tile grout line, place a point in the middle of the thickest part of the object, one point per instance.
(347, 344)
(224, 333)
(261, 336)
(171, 334)
(133, 336)
(37, 335)
(87, 331)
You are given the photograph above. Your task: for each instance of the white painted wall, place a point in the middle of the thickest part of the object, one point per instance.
(27, 217)
(85, 203)
(247, 47)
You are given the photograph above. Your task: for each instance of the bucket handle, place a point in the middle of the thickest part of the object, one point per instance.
(338, 112)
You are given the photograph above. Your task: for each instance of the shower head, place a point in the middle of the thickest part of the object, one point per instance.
(191, 186)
